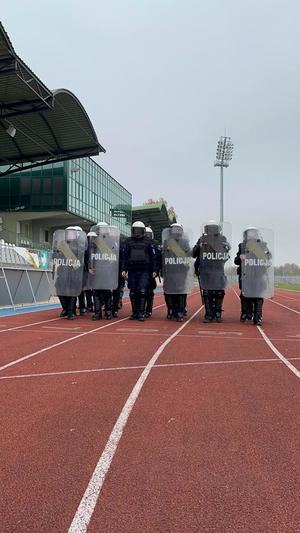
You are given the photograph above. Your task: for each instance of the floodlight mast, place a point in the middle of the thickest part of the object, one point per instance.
(223, 156)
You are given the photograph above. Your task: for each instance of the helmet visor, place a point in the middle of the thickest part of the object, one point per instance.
(138, 232)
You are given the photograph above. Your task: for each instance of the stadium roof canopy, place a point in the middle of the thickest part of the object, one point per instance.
(154, 215)
(38, 126)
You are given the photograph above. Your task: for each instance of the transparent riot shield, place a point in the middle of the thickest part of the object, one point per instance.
(177, 263)
(103, 264)
(214, 256)
(257, 263)
(68, 261)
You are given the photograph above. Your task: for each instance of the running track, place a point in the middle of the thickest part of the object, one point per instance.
(151, 427)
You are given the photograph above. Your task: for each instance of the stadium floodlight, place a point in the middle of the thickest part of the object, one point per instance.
(223, 156)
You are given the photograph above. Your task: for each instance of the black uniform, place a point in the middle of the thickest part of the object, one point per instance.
(139, 261)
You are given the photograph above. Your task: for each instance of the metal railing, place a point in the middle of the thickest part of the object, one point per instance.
(19, 239)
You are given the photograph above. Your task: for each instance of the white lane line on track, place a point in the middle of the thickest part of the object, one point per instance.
(59, 328)
(37, 323)
(288, 290)
(287, 297)
(31, 324)
(42, 350)
(273, 302)
(19, 360)
(213, 332)
(87, 505)
(278, 353)
(285, 306)
(273, 348)
(139, 367)
(135, 330)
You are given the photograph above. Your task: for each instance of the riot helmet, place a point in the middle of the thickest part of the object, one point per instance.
(102, 228)
(251, 233)
(138, 229)
(212, 228)
(92, 234)
(149, 233)
(176, 230)
(71, 233)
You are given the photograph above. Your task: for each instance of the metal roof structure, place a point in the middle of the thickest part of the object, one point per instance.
(154, 215)
(38, 126)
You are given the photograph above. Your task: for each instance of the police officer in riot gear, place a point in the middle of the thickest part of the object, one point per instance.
(211, 253)
(81, 297)
(103, 267)
(88, 292)
(152, 283)
(68, 260)
(117, 294)
(139, 264)
(176, 269)
(253, 260)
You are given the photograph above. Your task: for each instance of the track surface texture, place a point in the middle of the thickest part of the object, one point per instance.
(123, 426)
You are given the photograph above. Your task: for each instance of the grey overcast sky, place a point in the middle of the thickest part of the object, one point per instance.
(161, 79)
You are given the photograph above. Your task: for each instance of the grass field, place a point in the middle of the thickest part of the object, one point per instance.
(288, 286)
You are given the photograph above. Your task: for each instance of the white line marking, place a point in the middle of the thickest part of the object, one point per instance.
(278, 353)
(42, 350)
(87, 505)
(139, 367)
(212, 332)
(31, 324)
(58, 328)
(288, 290)
(285, 306)
(124, 330)
(288, 297)
(271, 345)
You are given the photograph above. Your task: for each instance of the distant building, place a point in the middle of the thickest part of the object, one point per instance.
(154, 215)
(35, 202)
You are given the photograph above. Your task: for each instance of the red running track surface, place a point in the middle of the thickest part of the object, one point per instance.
(211, 443)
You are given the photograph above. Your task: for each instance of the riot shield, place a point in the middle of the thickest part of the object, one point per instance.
(257, 263)
(214, 245)
(177, 263)
(104, 258)
(68, 261)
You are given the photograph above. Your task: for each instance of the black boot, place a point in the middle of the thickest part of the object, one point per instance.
(219, 298)
(141, 305)
(108, 304)
(258, 305)
(115, 302)
(244, 308)
(89, 301)
(208, 317)
(180, 307)
(133, 300)
(81, 300)
(149, 303)
(120, 305)
(250, 309)
(169, 304)
(98, 306)
(71, 306)
(63, 303)
(185, 305)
